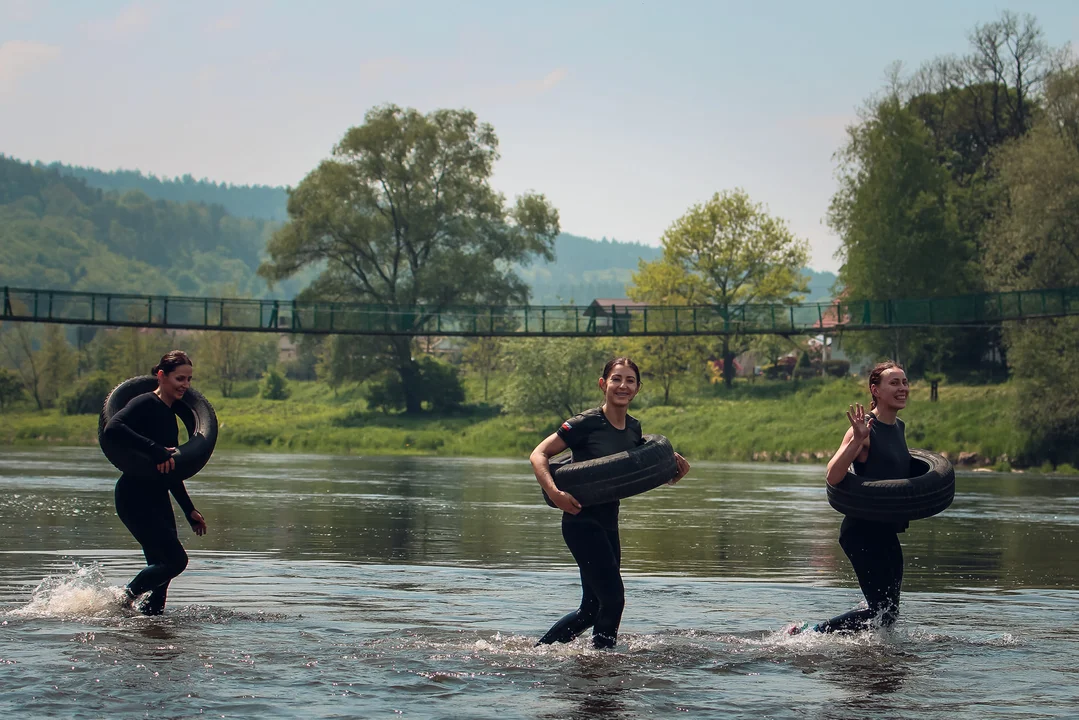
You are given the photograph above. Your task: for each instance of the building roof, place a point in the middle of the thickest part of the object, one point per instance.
(602, 306)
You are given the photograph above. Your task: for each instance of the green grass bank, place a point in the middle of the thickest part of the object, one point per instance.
(761, 421)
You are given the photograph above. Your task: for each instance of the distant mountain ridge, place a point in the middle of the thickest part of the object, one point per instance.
(583, 270)
(254, 201)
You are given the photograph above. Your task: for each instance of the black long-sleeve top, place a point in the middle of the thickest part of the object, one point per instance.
(146, 424)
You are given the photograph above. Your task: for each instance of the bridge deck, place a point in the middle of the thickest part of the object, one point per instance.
(122, 310)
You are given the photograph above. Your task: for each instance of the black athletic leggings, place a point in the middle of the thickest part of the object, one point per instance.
(599, 555)
(877, 558)
(149, 517)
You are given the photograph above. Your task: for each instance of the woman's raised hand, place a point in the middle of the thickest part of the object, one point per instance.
(860, 422)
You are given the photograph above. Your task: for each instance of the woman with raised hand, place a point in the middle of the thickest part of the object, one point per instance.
(875, 445)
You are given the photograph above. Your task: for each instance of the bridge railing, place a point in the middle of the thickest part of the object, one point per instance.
(116, 309)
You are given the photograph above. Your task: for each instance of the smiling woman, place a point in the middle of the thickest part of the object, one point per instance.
(145, 425)
(875, 445)
(591, 531)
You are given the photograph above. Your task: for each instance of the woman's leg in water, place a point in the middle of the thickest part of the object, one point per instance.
(598, 554)
(576, 622)
(153, 525)
(170, 555)
(877, 558)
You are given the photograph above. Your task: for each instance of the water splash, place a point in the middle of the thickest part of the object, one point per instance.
(82, 593)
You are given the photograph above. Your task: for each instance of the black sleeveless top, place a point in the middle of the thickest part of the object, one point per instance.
(590, 435)
(889, 459)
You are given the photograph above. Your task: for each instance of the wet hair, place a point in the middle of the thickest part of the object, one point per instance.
(875, 375)
(170, 361)
(621, 361)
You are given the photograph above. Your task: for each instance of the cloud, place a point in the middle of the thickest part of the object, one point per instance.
(131, 20)
(224, 23)
(553, 78)
(16, 10)
(19, 58)
(533, 88)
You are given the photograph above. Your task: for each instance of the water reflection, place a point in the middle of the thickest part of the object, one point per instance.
(731, 521)
(591, 688)
(746, 521)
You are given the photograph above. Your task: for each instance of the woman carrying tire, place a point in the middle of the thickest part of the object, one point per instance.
(591, 533)
(147, 424)
(876, 445)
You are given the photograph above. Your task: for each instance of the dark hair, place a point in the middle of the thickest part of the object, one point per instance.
(621, 361)
(170, 361)
(874, 378)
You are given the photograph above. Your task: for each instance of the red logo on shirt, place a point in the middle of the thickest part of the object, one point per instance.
(566, 426)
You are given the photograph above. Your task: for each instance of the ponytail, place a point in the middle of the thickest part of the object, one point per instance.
(170, 361)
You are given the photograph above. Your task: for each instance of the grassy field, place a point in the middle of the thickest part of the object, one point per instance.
(760, 421)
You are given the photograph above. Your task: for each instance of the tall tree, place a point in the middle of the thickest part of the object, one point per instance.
(557, 377)
(736, 253)
(19, 343)
(11, 388)
(225, 357)
(893, 211)
(403, 215)
(952, 114)
(133, 351)
(59, 363)
(349, 358)
(1033, 243)
(973, 103)
(483, 356)
(665, 358)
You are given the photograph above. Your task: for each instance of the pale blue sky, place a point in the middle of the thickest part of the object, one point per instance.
(623, 113)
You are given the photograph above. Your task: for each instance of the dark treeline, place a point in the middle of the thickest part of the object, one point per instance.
(57, 232)
(254, 201)
(583, 268)
(964, 177)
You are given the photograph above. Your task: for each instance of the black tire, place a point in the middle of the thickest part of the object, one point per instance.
(615, 477)
(929, 492)
(194, 411)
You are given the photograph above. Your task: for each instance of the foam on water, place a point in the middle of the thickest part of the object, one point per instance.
(82, 593)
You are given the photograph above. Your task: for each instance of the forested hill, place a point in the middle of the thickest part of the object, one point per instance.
(57, 232)
(82, 228)
(255, 201)
(586, 269)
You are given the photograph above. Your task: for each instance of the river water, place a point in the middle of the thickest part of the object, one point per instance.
(334, 587)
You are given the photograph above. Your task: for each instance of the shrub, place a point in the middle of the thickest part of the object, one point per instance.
(440, 387)
(11, 388)
(88, 395)
(386, 392)
(441, 383)
(274, 386)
